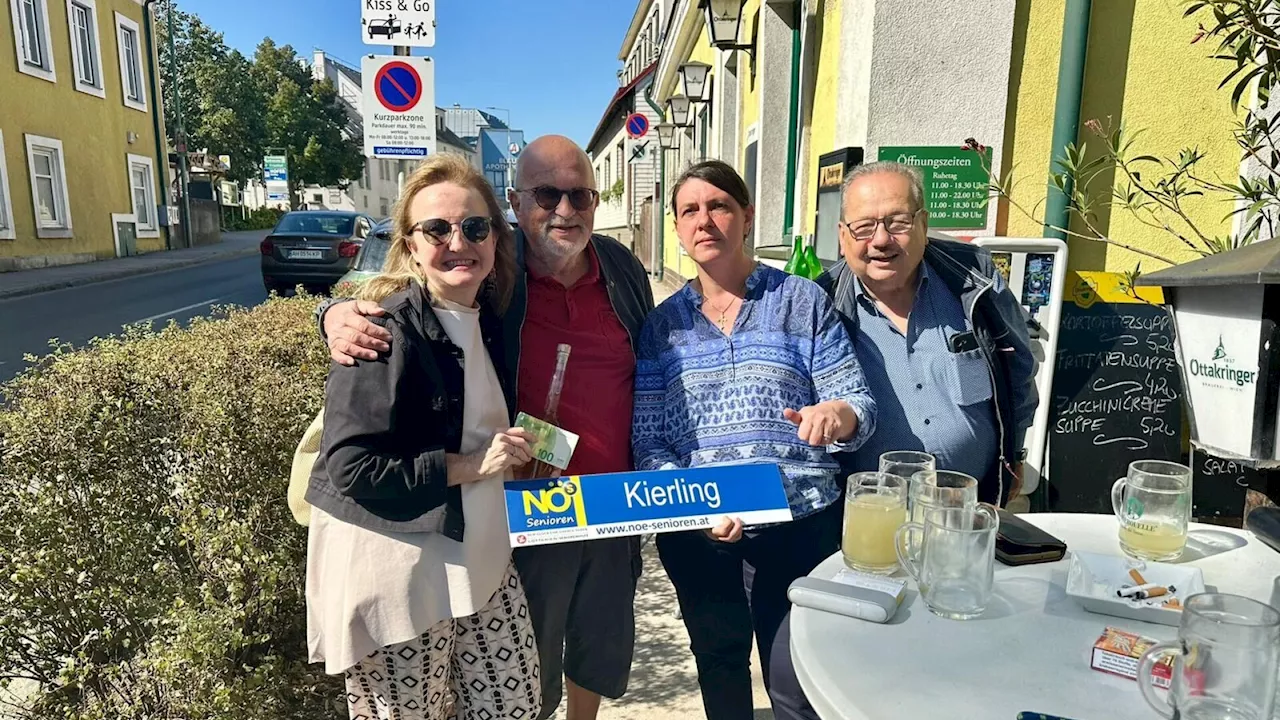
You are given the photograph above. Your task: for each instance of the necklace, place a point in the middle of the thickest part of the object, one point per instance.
(723, 312)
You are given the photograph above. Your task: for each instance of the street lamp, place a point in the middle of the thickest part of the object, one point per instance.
(724, 17)
(694, 77)
(678, 108)
(666, 135)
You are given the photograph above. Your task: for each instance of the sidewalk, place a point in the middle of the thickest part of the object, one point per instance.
(664, 680)
(30, 282)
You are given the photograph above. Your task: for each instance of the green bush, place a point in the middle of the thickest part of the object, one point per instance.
(149, 565)
(259, 219)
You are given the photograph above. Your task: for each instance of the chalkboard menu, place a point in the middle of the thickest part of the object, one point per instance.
(1219, 485)
(1117, 392)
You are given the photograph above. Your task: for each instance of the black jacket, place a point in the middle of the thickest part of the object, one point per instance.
(1000, 326)
(624, 278)
(388, 424)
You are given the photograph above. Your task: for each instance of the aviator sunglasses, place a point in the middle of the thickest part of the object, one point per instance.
(548, 197)
(438, 230)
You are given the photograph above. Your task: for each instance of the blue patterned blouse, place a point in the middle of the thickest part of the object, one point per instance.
(705, 398)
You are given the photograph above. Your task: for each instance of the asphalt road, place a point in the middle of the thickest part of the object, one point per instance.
(78, 314)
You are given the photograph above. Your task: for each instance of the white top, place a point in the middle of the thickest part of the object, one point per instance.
(1029, 652)
(367, 589)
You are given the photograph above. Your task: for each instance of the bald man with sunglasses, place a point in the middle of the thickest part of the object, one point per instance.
(590, 292)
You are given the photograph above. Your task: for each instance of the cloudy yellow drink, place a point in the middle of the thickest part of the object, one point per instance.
(870, 522)
(1153, 540)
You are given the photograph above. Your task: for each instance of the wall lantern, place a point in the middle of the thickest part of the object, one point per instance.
(724, 17)
(678, 108)
(694, 77)
(666, 136)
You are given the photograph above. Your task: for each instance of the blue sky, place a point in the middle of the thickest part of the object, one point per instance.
(552, 63)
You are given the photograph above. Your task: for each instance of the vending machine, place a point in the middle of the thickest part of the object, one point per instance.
(1035, 269)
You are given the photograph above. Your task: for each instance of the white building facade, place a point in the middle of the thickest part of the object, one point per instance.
(627, 168)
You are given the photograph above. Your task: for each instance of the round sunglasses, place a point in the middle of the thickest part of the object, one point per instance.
(548, 197)
(437, 231)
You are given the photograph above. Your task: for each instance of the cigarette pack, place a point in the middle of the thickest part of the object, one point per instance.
(1117, 652)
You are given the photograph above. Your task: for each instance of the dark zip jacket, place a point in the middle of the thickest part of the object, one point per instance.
(1000, 326)
(388, 424)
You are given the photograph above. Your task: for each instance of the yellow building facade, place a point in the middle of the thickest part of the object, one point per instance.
(872, 73)
(81, 168)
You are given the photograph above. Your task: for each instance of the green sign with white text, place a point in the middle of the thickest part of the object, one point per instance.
(955, 183)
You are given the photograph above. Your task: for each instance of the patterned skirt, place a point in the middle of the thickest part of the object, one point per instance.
(479, 667)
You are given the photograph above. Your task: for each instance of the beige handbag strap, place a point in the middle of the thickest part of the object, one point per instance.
(304, 458)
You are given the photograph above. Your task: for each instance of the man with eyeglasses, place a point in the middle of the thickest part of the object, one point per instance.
(941, 337)
(590, 292)
(944, 346)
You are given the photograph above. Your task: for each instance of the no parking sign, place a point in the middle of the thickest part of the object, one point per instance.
(399, 107)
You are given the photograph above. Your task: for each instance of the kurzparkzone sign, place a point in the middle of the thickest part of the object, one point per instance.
(399, 106)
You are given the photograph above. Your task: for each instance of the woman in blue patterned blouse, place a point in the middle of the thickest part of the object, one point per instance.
(745, 363)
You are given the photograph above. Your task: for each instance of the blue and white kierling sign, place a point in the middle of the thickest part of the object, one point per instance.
(584, 507)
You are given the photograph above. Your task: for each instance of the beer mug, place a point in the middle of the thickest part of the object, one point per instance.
(1225, 660)
(1153, 505)
(906, 463)
(955, 567)
(875, 507)
(940, 488)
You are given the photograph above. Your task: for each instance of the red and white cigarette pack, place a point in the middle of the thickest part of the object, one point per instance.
(1117, 652)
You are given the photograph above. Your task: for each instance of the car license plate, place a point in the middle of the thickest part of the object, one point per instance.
(306, 254)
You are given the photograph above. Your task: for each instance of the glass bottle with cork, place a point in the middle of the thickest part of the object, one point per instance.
(551, 411)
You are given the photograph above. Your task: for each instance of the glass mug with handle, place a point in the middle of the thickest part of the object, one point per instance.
(937, 489)
(875, 507)
(940, 488)
(1153, 505)
(955, 566)
(1225, 660)
(906, 463)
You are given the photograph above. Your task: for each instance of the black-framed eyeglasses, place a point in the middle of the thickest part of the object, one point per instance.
(895, 224)
(548, 197)
(437, 231)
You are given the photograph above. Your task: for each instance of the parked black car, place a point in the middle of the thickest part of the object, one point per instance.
(312, 248)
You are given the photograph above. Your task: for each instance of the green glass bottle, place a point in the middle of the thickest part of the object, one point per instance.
(814, 265)
(797, 264)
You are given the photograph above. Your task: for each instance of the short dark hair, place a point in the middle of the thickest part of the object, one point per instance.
(718, 173)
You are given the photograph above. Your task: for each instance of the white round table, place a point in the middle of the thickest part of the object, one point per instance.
(1029, 652)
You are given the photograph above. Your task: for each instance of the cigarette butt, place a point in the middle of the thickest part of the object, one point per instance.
(1135, 589)
(1137, 576)
(1154, 592)
(1172, 604)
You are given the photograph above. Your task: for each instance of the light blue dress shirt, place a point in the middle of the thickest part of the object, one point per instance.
(927, 397)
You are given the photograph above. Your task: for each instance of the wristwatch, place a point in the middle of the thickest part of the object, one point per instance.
(321, 309)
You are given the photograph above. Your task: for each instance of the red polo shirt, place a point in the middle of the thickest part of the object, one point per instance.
(599, 381)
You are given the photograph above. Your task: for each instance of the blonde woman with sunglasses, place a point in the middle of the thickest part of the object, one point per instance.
(411, 592)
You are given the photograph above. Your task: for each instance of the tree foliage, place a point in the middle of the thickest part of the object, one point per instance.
(243, 107)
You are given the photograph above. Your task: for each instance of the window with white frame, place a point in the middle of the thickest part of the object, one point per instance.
(6, 206)
(142, 189)
(48, 186)
(31, 38)
(86, 55)
(128, 39)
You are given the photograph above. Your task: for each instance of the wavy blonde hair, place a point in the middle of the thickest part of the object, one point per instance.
(400, 269)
